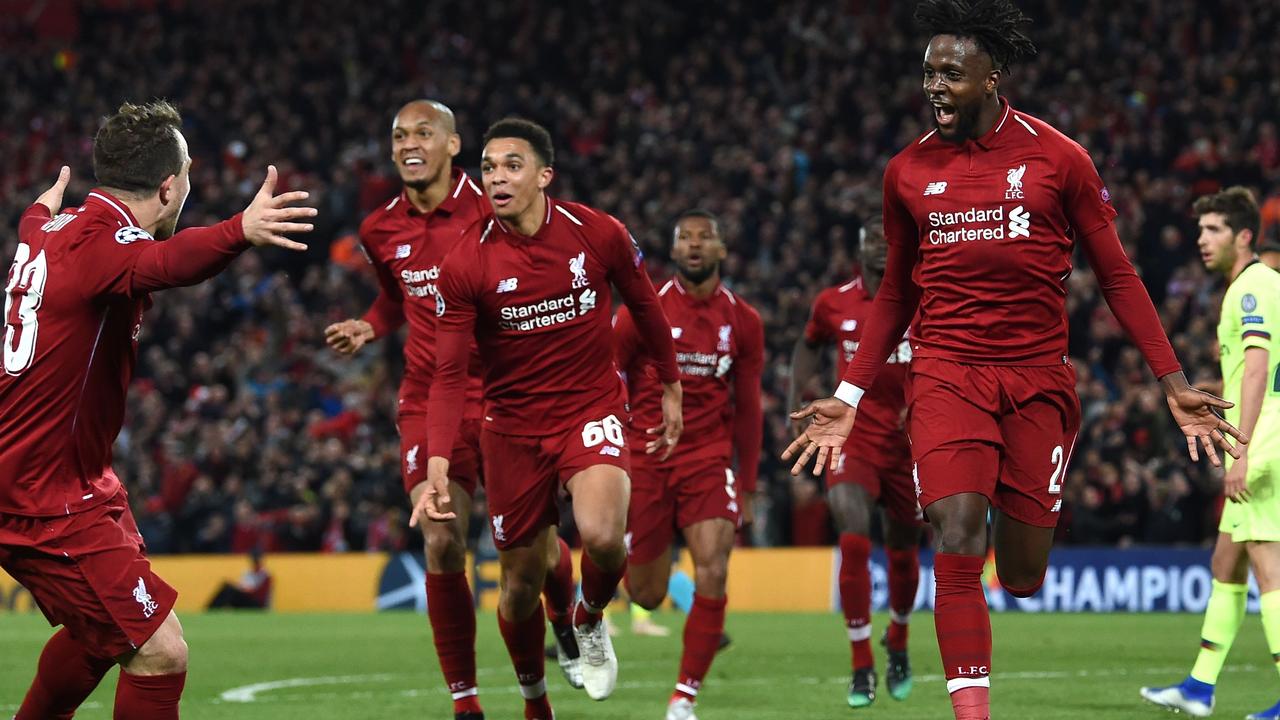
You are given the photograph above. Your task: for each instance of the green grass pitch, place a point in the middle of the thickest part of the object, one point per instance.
(781, 666)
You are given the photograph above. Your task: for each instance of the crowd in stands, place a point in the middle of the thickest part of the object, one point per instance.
(244, 431)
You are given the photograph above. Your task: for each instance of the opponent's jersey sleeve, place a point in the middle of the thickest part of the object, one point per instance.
(627, 273)
(128, 262)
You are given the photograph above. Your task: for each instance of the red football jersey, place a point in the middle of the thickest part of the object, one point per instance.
(74, 300)
(539, 308)
(406, 248)
(839, 316)
(980, 238)
(719, 345)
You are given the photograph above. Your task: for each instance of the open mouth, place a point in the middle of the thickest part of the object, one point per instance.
(501, 199)
(944, 114)
(413, 161)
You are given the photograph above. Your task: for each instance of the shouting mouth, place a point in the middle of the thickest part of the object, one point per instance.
(944, 114)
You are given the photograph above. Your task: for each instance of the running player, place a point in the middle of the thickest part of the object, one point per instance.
(982, 214)
(1249, 532)
(531, 284)
(74, 302)
(406, 240)
(719, 342)
(875, 464)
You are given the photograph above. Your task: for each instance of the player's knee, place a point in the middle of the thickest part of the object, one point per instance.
(961, 541)
(602, 540)
(164, 653)
(1021, 584)
(650, 596)
(445, 551)
(711, 576)
(520, 596)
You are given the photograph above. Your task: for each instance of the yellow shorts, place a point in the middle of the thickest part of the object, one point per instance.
(1259, 519)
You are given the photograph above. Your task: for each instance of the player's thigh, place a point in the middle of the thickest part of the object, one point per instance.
(520, 487)
(651, 514)
(1230, 561)
(1022, 551)
(91, 574)
(1264, 558)
(647, 581)
(601, 495)
(1038, 433)
(709, 543)
(850, 505)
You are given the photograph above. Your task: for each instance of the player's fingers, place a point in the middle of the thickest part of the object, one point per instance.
(795, 446)
(283, 203)
(657, 430)
(804, 412)
(1191, 449)
(1225, 444)
(1233, 431)
(1215, 401)
(286, 243)
(824, 453)
(1210, 451)
(417, 511)
(290, 227)
(269, 185)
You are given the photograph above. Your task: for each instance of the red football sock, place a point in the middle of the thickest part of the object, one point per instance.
(524, 640)
(855, 595)
(559, 589)
(904, 578)
(702, 631)
(65, 675)
(453, 630)
(148, 697)
(598, 589)
(963, 625)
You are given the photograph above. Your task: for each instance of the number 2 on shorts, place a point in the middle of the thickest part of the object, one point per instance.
(1059, 460)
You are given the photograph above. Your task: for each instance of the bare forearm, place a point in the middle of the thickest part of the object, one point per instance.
(804, 367)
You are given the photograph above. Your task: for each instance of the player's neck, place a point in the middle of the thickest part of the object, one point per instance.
(145, 210)
(528, 222)
(1243, 260)
(987, 117)
(699, 290)
(429, 198)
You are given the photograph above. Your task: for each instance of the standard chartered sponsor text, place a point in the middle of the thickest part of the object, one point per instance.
(943, 233)
(544, 313)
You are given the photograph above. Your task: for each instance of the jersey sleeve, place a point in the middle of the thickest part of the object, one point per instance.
(1085, 200)
(1256, 312)
(818, 330)
(127, 262)
(456, 302)
(386, 314)
(896, 300)
(626, 341)
(748, 414)
(627, 273)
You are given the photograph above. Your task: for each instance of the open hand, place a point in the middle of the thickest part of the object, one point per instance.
(270, 216)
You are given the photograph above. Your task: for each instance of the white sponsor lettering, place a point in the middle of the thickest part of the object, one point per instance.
(412, 278)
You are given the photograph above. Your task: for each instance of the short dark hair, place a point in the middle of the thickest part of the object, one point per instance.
(136, 149)
(699, 213)
(1237, 205)
(529, 131)
(995, 25)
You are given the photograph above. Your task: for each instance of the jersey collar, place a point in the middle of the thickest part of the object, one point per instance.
(1006, 116)
(112, 206)
(458, 185)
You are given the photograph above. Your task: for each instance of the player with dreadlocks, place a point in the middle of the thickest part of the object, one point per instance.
(982, 215)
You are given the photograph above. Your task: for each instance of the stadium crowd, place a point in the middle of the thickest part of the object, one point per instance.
(244, 431)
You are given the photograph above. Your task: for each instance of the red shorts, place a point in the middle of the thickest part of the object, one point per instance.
(671, 496)
(881, 467)
(464, 465)
(1005, 432)
(90, 572)
(524, 474)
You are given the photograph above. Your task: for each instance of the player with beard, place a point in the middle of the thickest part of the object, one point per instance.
(874, 465)
(982, 215)
(74, 301)
(719, 342)
(406, 240)
(531, 284)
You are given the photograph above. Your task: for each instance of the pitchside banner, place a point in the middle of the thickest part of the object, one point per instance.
(1084, 580)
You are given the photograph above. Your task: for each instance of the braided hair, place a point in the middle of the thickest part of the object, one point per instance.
(995, 25)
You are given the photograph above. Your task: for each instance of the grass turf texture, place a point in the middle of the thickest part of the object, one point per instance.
(780, 666)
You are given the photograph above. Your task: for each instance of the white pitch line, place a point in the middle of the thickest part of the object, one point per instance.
(249, 693)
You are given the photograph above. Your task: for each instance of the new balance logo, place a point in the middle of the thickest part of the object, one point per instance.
(935, 188)
(140, 594)
(676, 333)
(508, 285)
(849, 325)
(610, 451)
(402, 252)
(1019, 223)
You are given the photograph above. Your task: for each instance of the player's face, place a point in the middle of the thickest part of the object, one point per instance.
(422, 145)
(873, 251)
(697, 249)
(513, 176)
(173, 195)
(958, 77)
(1217, 243)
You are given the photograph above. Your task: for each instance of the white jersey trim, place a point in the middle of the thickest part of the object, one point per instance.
(461, 181)
(1004, 117)
(124, 215)
(926, 137)
(961, 683)
(850, 394)
(88, 368)
(393, 202)
(487, 229)
(569, 215)
(666, 287)
(729, 295)
(1024, 124)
